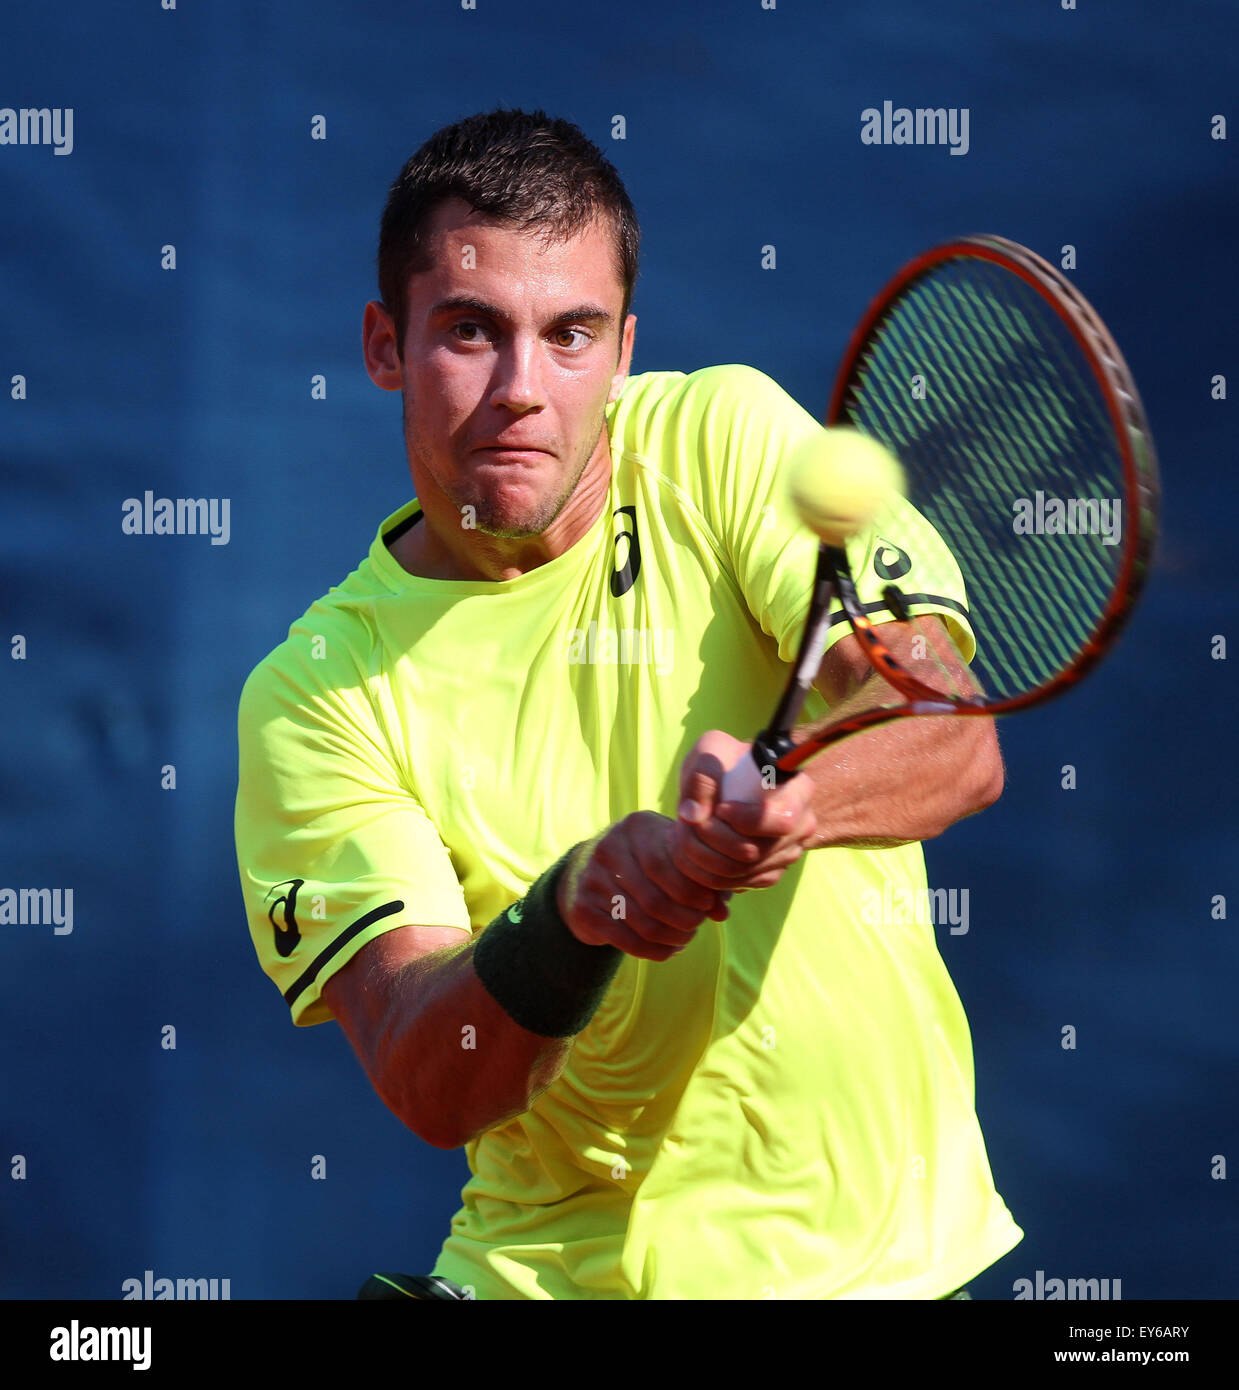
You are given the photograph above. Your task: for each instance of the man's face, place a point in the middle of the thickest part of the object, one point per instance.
(511, 344)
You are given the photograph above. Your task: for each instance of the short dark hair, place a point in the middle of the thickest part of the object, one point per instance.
(521, 167)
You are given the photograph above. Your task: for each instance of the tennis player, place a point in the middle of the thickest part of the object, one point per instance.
(690, 1051)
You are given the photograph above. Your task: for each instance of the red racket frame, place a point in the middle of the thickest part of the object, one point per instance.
(1135, 443)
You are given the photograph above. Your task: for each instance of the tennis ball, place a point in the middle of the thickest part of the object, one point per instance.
(839, 480)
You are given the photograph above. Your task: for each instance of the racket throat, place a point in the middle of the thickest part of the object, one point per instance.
(767, 749)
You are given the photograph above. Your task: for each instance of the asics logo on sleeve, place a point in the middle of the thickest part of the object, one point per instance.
(890, 562)
(282, 914)
(624, 578)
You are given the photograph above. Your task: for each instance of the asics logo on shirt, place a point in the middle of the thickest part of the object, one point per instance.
(624, 578)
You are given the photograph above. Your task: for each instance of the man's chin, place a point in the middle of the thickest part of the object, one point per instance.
(509, 533)
(513, 522)
(511, 507)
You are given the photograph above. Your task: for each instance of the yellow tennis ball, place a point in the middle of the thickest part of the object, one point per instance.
(839, 480)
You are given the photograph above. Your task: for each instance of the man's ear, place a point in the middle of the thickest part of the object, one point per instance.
(621, 371)
(378, 345)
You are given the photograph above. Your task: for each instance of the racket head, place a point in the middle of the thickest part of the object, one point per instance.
(1009, 405)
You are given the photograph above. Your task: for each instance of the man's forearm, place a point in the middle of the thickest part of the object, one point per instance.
(896, 783)
(472, 1034)
(907, 780)
(450, 1061)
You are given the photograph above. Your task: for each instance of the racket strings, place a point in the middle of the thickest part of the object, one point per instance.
(975, 381)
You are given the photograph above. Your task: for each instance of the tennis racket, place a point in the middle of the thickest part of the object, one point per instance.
(1026, 448)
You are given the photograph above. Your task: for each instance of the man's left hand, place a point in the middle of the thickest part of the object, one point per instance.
(741, 844)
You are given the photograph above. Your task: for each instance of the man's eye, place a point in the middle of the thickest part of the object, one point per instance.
(469, 332)
(580, 333)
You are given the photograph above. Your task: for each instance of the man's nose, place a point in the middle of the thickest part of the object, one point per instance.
(518, 380)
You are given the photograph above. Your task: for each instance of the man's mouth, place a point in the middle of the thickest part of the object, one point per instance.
(506, 453)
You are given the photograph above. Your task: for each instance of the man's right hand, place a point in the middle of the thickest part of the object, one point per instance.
(622, 889)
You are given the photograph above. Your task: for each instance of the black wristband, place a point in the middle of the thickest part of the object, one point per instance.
(533, 967)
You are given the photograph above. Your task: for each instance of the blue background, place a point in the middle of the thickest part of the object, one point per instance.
(192, 127)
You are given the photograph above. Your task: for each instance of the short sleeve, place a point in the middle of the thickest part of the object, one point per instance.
(332, 848)
(747, 427)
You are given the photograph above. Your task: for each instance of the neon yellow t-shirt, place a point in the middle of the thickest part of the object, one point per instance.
(786, 1108)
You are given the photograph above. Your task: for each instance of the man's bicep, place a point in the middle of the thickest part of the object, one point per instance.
(849, 683)
(925, 647)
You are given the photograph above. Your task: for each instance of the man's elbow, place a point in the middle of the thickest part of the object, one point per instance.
(977, 778)
(434, 1129)
(987, 776)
